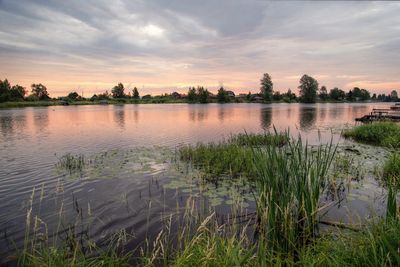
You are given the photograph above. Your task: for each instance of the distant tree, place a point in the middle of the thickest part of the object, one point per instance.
(394, 96)
(308, 89)
(118, 91)
(135, 93)
(222, 95)
(192, 96)
(289, 96)
(373, 97)
(40, 91)
(266, 87)
(4, 90)
(202, 94)
(249, 96)
(17, 92)
(323, 93)
(337, 94)
(73, 96)
(350, 96)
(364, 95)
(277, 96)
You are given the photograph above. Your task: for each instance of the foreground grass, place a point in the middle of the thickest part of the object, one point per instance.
(379, 133)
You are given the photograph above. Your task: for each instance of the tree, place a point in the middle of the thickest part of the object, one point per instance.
(277, 96)
(323, 93)
(222, 95)
(73, 96)
(40, 91)
(135, 93)
(289, 96)
(17, 92)
(192, 97)
(118, 91)
(394, 96)
(337, 94)
(4, 90)
(266, 87)
(308, 89)
(202, 94)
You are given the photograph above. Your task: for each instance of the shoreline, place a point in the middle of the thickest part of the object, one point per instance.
(25, 104)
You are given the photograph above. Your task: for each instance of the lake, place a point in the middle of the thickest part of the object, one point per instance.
(132, 145)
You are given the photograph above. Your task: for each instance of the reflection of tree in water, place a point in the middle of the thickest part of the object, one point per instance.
(7, 125)
(119, 117)
(198, 112)
(41, 120)
(266, 117)
(224, 112)
(335, 112)
(307, 117)
(322, 112)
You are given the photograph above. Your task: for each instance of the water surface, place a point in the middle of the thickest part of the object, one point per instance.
(32, 140)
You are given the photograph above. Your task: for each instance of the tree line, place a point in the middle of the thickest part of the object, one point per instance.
(309, 92)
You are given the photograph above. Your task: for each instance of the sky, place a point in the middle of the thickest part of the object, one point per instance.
(164, 46)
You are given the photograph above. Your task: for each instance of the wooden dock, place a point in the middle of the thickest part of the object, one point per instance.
(381, 114)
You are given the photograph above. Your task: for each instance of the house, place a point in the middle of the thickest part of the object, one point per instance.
(230, 94)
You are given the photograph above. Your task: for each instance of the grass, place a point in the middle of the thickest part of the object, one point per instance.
(375, 245)
(385, 134)
(72, 163)
(391, 169)
(289, 183)
(233, 157)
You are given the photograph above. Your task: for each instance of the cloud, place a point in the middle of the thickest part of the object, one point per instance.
(169, 44)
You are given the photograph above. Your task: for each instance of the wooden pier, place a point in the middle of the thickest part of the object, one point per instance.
(381, 114)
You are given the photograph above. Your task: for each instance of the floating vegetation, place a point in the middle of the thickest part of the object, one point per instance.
(117, 163)
(379, 133)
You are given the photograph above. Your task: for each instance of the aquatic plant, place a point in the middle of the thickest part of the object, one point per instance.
(379, 133)
(289, 183)
(71, 162)
(232, 157)
(376, 244)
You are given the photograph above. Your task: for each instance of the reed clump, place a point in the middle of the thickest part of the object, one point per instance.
(232, 157)
(385, 134)
(72, 163)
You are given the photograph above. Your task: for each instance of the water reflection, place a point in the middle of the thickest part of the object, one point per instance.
(307, 117)
(119, 116)
(335, 112)
(224, 112)
(266, 117)
(41, 120)
(6, 124)
(198, 113)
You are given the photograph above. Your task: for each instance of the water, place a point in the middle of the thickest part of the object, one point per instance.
(127, 196)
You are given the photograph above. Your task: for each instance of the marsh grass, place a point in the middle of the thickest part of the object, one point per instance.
(289, 184)
(379, 133)
(72, 163)
(233, 157)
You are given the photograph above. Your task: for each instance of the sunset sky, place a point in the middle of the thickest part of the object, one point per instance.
(164, 46)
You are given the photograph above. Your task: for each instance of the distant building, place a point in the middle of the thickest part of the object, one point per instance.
(176, 95)
(230, 93)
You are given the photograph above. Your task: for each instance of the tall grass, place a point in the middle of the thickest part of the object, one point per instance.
(72, 163)
(289, 183)
(379, 133)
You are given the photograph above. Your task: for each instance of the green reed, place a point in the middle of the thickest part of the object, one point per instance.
(72, 163)
(289, 183)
